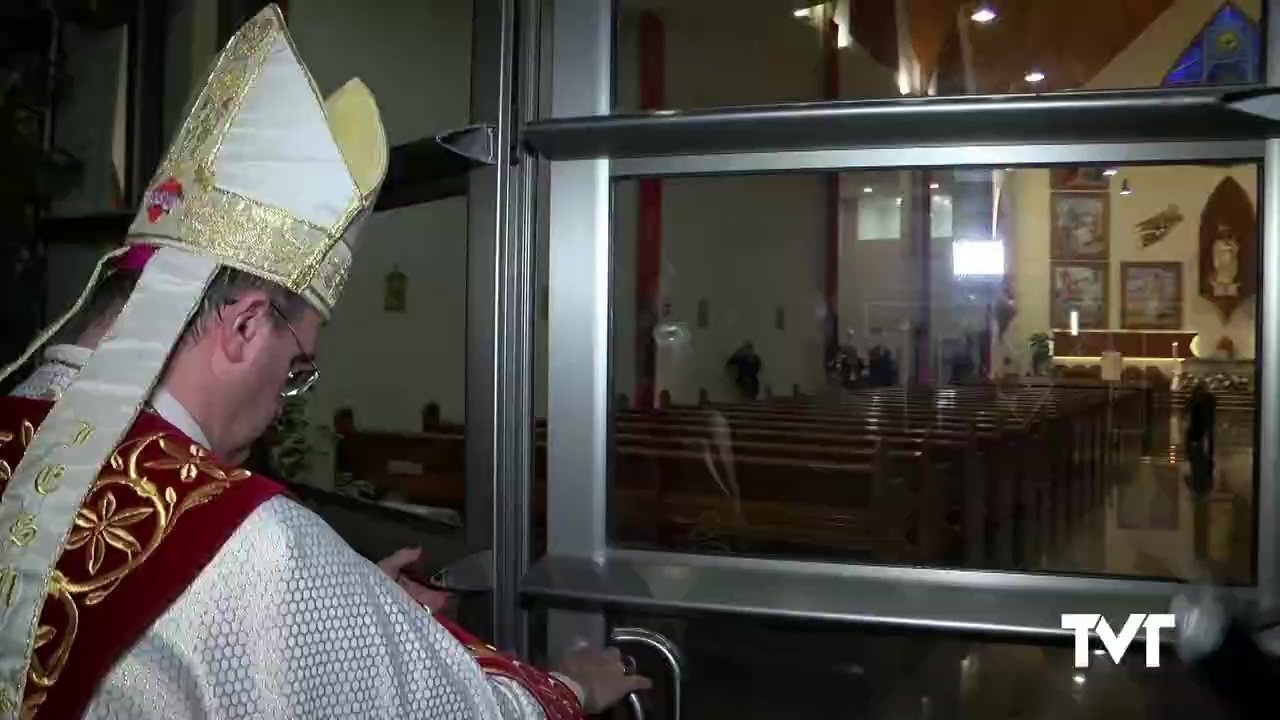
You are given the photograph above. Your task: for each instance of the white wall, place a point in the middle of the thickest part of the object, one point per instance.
(1154, 188)
(1144, 63)
(416, 57)
(746, 245)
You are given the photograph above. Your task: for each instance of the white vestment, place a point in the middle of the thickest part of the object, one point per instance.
(287, 621)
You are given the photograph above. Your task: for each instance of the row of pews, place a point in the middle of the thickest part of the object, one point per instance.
(980, 476)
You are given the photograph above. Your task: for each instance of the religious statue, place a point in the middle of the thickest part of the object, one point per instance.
(1226, 264)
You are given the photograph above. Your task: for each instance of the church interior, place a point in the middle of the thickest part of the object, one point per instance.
(952, 367)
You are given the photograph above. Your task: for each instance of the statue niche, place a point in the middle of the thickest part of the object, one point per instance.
(1228, 248)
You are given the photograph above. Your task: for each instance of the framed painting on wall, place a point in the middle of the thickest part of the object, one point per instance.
(1151, 295)
(1079, 288)
(1079, 178)
(1081, 225)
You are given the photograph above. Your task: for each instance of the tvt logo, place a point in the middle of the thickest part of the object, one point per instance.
(1116, 645)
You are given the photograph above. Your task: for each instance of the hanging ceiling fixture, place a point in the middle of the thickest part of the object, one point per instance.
(1125, 189)
(1034, 76)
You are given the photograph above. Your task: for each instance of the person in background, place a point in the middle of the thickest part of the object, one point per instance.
(430, 416)
(882, 370)
(1200, 438)
(147, 575)
(744, 367)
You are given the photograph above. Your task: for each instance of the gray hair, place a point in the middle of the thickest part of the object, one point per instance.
(112, 292)
(226, 288)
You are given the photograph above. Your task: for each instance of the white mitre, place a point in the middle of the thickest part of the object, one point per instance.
(264, 176)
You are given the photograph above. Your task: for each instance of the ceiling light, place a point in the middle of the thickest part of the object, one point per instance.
(1034, 76)
(934, 186)
(1078, 678)
(1109, 172)
(1125, 189)
(866, 189)
(803, 12)
(983, 15)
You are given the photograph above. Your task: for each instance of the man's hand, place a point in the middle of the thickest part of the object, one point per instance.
(601, 675)
(394, 567)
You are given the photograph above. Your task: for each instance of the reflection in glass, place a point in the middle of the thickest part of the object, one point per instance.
(675, 54)
(1036, 389)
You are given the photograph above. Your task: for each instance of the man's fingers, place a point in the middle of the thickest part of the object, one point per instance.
(399, 560)
(405, 556)
(637, 682)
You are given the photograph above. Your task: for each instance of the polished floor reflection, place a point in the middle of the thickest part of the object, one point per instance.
(1157, 525)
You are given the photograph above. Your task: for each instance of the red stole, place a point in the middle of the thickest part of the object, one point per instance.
(157, 514)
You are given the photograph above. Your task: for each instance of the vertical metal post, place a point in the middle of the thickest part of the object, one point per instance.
(1268, 348)
(578, 336)
(498, 336)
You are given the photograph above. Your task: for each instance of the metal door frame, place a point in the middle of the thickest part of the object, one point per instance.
(580, 566)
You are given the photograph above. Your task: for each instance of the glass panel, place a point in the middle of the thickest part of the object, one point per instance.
(674, 54)
(976, 368)
(381, 437)
(809, 669)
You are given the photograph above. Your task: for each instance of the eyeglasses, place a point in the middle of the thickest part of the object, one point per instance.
(299, 381)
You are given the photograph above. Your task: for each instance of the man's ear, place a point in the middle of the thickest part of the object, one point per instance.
(240, 323)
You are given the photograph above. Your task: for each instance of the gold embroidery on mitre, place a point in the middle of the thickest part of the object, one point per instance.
(216, 107)
(253, 236)
(124, 513)
(244, 232)
(332, 276)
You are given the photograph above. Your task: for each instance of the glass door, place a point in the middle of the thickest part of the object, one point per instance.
(873, 349)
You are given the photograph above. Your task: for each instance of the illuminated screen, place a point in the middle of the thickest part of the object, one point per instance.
(977, 258)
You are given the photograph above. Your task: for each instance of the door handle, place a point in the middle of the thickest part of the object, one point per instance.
(633, 704)
(664, 648)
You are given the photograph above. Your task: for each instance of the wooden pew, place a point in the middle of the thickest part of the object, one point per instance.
(1001, 473)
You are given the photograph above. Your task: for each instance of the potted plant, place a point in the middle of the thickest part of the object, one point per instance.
(299, 448)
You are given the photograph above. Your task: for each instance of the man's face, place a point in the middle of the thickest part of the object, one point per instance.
(264, 351)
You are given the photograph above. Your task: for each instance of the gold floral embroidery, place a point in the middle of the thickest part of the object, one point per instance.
(190, 462)
(6, 472)
(106, 527)
(106, 524)
(27, 431)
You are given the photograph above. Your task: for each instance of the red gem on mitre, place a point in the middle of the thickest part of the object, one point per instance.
(162, 198)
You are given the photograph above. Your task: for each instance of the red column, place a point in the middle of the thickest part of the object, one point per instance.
(649, 227)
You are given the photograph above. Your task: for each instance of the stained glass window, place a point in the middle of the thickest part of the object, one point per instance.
(1226, 52)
